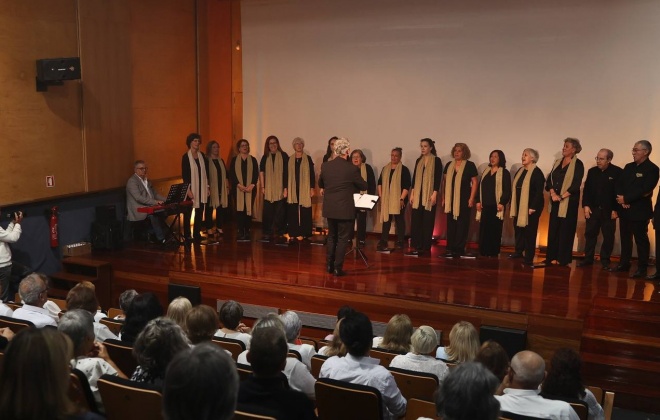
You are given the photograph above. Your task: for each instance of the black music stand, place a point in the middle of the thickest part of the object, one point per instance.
(364, 202)
(177, 193)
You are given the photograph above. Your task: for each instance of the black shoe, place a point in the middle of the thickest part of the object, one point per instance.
(338, 272)
(382, 246)
(527, 264)
(331, 267)
(585, 263)
(641, 272)
(654, 276)
(447, 254)
(620, 268)
(515, 255)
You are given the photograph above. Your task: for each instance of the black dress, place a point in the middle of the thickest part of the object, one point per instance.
(300, 218)
(490, 227)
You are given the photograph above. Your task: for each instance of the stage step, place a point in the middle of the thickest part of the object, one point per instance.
(78, 269)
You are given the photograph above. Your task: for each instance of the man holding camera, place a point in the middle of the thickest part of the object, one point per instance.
(8, 236)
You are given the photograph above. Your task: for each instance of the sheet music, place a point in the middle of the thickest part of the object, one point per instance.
(365, 201)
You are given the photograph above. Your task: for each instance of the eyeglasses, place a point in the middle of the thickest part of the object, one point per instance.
(142, 169)
(635, 150)
(599, 159)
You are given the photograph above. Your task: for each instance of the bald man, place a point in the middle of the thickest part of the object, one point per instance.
(521, 390)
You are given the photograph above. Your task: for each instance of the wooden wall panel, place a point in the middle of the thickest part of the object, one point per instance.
(164, 80)
(41, 131)
(107, 114)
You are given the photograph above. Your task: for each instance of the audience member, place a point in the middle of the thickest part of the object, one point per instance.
(35, 378)
(267, 389)
(155, 347)
(5, 310)
(336, 347)
(201, 383)
(33, 291)
(90, 357)
(422, 357)
(564, 381)
(143, 309)
(292, 326)
(521, 390)
(397, 335)
(463, 344)
(467, 394)
(494, 358)
(6, 335)
(125, 300)
(97, 313)
(83, 297)
(201, 323)
(357, 367)
(178, 309)
(231, 313)
(341, 313)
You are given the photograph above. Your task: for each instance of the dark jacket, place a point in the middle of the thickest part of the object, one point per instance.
(636, 184)
(340, 179)
(599, 188)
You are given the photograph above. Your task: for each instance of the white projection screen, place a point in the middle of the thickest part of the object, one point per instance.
(493, 74)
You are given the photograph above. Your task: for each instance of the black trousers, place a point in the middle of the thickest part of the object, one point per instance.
(600, 221)
(400, 221)
(243, 222)
(219, 216)
(273, 219)
(421, 228)
(361, 221)
(561, 234)
(457, 231)
(199, 217)
(638, 229)
(526, 237)
(339, 233)
(490, 232)
(299, 220)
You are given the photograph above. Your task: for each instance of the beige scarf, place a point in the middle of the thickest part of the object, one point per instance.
(218, 200)
(363, 174)
(391, 190)
(244, 200)
(274, 175)
(568, 180)
(195, 177)
(498, 191)
(453, 190)
(424, 189)
(305, 186)
(523, 211)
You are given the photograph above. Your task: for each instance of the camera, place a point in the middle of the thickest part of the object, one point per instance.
(14, 215)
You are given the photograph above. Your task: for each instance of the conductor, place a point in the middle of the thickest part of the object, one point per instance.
(340, 179)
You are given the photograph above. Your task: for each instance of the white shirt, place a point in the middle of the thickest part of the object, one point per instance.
(102, 332)
(245, 338)
(295, 371)
(94, 368)
(367, 371)
(306, 352)
(420, 363)
(8, 236)
(53, 310)
(5, 310)
(595, 410)
(528, 402)
(38, 316)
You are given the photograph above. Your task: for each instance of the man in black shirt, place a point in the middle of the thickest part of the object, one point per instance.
(600, 208)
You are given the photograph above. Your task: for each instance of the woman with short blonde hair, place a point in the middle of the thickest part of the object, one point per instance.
(463, 344)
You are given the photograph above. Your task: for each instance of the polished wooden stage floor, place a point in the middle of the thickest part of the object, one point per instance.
(550, 303)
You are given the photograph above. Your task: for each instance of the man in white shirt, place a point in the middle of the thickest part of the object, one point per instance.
(141, 193)
(34, 292)
(521, 390)
(8, 236)
(5, 310)
(357, 367)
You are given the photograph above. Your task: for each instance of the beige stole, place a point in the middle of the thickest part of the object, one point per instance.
(244, 199)
(453, 190)
(424, 189)
(195, 177)
(521, 211)
(218, 200)
(498, 191)
(305, 185)
(391, 189)
(568, 180)
(274, 175)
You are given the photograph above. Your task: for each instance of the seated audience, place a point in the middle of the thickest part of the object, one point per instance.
(34, 294)
(494, 358)
(35, 378)
(90, 357)
(97, 313)
(341, 313)
(178, 309)
(463, 344)
(5, 310)
(6, 335)
(84, 297)
(143, 309)
(336, 347)
(397, 335)
(125, 300)
(564, 381)
(422, 357)
(155, 347)
(231, 313)
(521, 390)
(201, 383)
(292, 326)
(295, 371)
(201, 323)
(267, 388)
(357, 367)
(467, 394)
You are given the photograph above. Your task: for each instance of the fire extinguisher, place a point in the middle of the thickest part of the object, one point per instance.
(54, 241)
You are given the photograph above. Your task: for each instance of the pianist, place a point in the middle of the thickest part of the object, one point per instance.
(140, 193)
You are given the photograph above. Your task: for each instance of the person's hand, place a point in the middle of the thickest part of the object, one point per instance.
(500, 207)
(102, 351)
(531, 211)
(479, 206)
(18, 217)
(587, 212)
(243, 328)
(411, 196)
(625, 206)
(311, 192)
(190, 195)
(285, 193)
(471, 202)
(615, 215)
(7, 333)
(249, 188)
(322, 192)
(620, 200)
